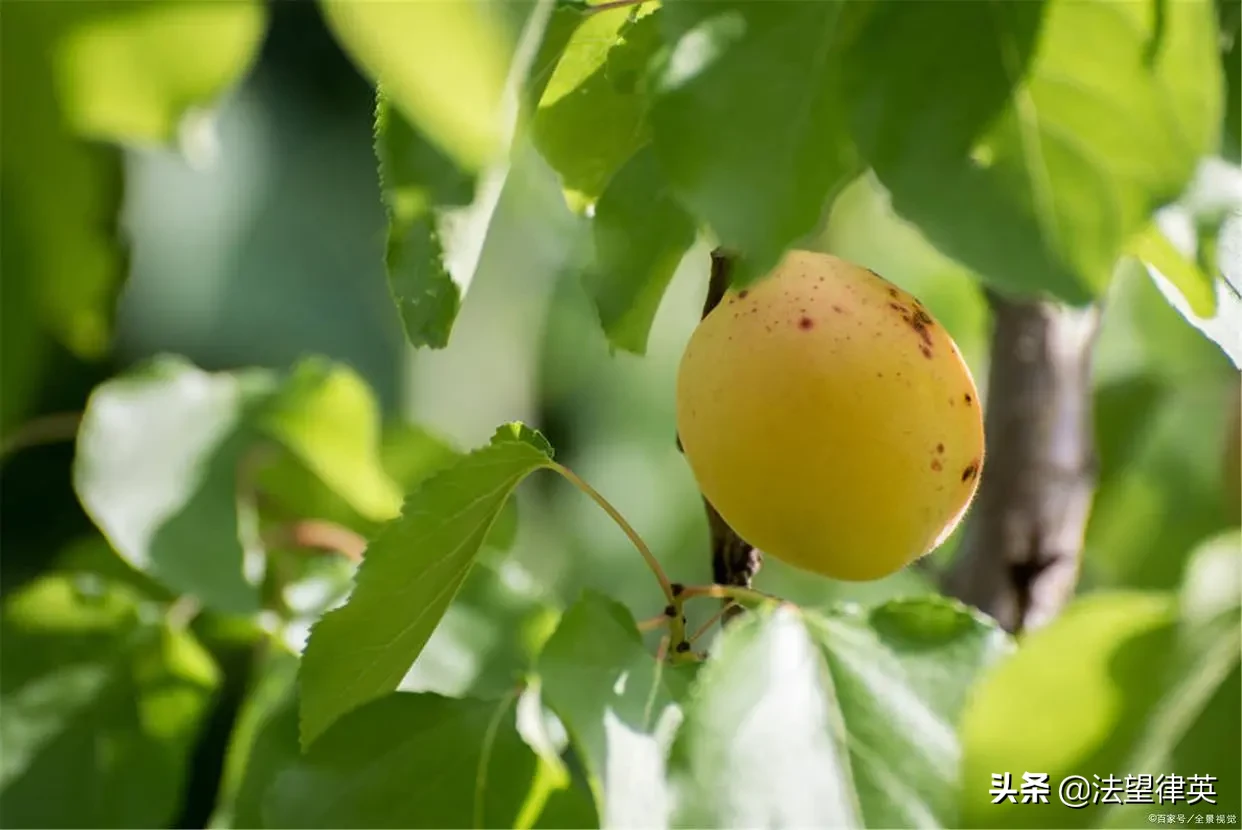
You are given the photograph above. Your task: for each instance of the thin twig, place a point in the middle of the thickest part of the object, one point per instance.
(317, 534)
(715, 618)
(45, 429)
(665, 585)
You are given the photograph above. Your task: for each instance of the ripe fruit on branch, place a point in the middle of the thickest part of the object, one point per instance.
(830, 420)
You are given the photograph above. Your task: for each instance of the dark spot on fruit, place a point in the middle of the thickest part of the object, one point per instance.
(741, 295)
(926, 352)
(940, 448)
(936, 465)
(806, 323)
(879, 374)
(897, 306)
(892, 292)
(969, 399)
(969, 472)
(838, 309)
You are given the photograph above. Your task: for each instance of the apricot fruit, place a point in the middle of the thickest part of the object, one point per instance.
(830, 420)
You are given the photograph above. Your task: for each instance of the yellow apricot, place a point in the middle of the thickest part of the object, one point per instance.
(830, 419)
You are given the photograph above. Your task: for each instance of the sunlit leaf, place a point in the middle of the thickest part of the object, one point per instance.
(593, 113)
(156, 468)
(641, 234)
(747, 119)
(619, 707)
(845, 717)
(410, 574)
(1019, 149)
(411, 49)
(326, 415)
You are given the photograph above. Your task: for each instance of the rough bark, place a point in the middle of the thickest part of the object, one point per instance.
(1022, 544)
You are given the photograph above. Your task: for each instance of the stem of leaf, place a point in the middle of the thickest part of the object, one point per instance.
(45, 429)
(615, 515)
(733, 592)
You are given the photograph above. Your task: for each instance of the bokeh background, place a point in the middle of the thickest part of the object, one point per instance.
(260, 242)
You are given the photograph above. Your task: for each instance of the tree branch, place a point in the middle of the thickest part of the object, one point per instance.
(734, 561)
(1022, 544)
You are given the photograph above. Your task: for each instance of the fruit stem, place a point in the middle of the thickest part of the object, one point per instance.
(733, 592)
(652, 562)
(715, 618)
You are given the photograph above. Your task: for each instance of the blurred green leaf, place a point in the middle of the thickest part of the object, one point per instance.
(409, 760)
(264, 742)
(1155, 250)
(641, 234)
(845, 717)
(118, 70)
(1142, 526)
(130, 69)
(410, 574)
(100, 707)
(1115, 686)
(413, 50)
(592, 116)
(408, 452)
(156, 469)
(747, 120)
(618, 705)
(162, 448)
(1024, 158)
(326, 415)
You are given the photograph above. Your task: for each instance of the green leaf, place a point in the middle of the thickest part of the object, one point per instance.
(156, 469)
(436, 235)
(410, 574)
(592, 116)
(845, 717)
(408, 452)
(619, 707)
(119, 70)
(1221, 322)
(129, 70)
(902, 674)
(263, 743)
(481, 646)
(100, 707)
(416, 178)
(641, 235)
(409, 760)
(326, 415)
(1115, 686)
(1022, 151)
(443, 62)
(1155, 251)
(747, 120)
(763, 744)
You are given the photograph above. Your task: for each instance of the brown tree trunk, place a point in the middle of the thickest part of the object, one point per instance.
(1022, 544)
